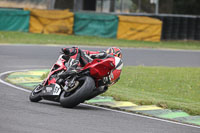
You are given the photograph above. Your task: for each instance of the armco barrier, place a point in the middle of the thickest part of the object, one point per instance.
(176, 27)
(139, 28)
(14, 20)
(51, 21)
(92, 24)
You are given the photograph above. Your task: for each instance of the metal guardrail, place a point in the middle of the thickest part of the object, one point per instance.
(163, 15)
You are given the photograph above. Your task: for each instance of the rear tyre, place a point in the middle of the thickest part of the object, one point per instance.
(35, 94)
(84, 90)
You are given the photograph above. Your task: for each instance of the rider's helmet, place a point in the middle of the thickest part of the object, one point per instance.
(114, 51)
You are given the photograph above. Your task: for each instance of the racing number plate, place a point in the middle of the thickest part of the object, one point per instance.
(56, 90)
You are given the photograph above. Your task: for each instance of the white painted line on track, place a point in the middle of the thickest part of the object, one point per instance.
(103, 108)
(144, 116)
(11, 85)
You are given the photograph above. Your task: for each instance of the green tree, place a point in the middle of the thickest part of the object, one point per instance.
(64, 4)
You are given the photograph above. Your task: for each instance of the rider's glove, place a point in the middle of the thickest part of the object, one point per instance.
(100, 55)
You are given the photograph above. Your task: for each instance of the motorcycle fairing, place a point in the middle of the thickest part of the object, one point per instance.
(58, 66)
(100, 68)
(51, 90)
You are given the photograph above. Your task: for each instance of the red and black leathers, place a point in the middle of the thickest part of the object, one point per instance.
(78, 57)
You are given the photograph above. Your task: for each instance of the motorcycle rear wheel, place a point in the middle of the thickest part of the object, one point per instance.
(35, 94)
(80, 95)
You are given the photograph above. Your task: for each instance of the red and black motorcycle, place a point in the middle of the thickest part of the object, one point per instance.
(75, 88)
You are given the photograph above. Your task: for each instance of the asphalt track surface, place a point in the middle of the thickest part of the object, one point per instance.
(19, 115)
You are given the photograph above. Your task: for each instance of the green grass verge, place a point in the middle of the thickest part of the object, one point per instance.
(30, 38)
(173, 88)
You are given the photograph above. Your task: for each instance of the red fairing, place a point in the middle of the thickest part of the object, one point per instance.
(60, 66)
(100, 68)
(52, 81)
(115, 75)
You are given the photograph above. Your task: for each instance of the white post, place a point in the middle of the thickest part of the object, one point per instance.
(121, 6)
(156, 2)
(75, 6)
(139, 6)
(157, 7)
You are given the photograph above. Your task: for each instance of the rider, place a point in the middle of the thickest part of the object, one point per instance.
(79, 58)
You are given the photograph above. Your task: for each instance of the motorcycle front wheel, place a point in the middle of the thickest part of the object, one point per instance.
(82, 92)
(35, 94)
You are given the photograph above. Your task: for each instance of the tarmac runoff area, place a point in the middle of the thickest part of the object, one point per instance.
(30, 78)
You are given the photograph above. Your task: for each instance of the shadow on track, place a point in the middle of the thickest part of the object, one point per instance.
(79, 107)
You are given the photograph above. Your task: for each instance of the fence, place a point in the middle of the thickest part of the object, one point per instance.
(174, 27)
(14, 20)
(177, 27)
(92, 24)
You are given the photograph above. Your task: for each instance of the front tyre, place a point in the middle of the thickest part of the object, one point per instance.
(83, 91)
(35, 94)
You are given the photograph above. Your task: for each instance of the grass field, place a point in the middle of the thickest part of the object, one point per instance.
(30, 38)
(174, 88)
